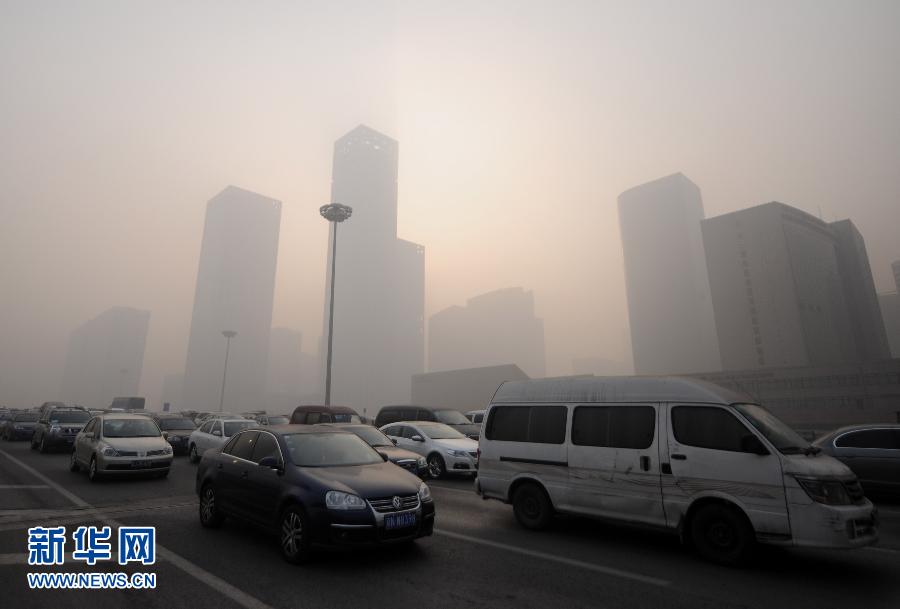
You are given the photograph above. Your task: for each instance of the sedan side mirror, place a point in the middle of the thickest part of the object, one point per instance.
(417, 438)
(394, 440)
(383, 456)
(270, 461)
(217, 433)
(89, 435)
(165, 435)
(752, 444)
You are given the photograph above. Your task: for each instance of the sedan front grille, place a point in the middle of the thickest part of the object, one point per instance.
(408, 464)
(386, 505)
(153, 453)
(127, 453)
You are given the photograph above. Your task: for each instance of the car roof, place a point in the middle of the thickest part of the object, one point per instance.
(860, 427)
(289, 428)
(121, 415)
(347, 426)
(317, 408)
(594, 389)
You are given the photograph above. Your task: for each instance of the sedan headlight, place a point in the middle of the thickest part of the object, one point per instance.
(109, 451)
(421, 462)
(168, 449)
(457, 453)
(829, 492)
(424, 493)
(338, 500)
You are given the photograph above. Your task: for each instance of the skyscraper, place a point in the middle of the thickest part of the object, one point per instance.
(669, 306)
(790, 290)
(492, 329)
(889, 303)
(866, 322)
(105, 357)
(380, 289)
(235, 290)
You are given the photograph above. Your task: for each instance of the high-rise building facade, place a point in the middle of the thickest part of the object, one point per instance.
(379, 338)
(866, 322)
(669, 306)
(789, 289)
(496, 328)
(235, 292)
(105, 357)
(890, 311)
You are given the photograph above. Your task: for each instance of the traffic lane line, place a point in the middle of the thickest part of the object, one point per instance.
(87, 515)
(216, 583)
(612, 571)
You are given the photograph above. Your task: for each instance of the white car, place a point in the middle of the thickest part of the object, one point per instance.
(445, 449)
(213, 434)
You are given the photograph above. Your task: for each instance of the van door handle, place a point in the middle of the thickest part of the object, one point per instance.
(678, 457)
(645, 463)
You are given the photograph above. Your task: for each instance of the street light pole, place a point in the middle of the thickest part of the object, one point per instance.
(228, 334)
(334, 213)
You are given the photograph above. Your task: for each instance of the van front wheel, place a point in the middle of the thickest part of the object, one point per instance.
(532, 507)
(721, 534)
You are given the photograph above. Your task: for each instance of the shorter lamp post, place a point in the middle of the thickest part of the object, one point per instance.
(334, 213)
(228, 334)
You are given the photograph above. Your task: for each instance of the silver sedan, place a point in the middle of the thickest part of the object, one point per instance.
(117, 444)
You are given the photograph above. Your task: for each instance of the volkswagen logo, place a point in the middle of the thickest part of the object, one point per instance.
(396, 501)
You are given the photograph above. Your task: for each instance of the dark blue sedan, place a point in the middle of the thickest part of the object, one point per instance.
(312, 486)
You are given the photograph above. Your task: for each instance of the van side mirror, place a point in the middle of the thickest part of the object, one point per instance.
(751, 444)
(394, 440)
(384, 457)
(165, 435)
(216, 432)
(417, 438)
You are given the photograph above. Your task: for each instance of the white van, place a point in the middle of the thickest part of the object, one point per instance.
(668, 452)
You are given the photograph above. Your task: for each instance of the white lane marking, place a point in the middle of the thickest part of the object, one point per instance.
(888, 550)
(22, 486)
(655, 581)
(216, 583)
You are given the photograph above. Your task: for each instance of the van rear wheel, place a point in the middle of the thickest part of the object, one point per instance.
(532, 507)
(721, 534)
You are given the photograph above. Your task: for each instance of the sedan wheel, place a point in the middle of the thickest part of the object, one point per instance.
(294, 542)
(73, 463)
(210, 516)
(93, 474)
(436, 467)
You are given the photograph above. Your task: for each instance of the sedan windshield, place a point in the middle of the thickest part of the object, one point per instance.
(232, 427)
(130, 428)
(785, 439)
(345, 417)
(167, 424)
(372, 436)
(439, 431)
(27, 417)
(451, 417)
(330, 450)
(70, 416)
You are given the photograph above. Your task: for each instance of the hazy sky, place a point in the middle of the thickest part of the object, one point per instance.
(519, 123)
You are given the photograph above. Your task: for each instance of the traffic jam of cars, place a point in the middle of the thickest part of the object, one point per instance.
(677, 455)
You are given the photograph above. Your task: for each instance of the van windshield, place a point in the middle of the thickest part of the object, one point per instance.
(785, 439)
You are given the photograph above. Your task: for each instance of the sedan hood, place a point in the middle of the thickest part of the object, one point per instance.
(469, 429)
(395, 453)
(367, 481)
(815, 466)
(138, 444)
(465, 444)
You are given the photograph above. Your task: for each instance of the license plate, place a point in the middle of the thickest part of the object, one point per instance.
(140, 464)
(399, 521)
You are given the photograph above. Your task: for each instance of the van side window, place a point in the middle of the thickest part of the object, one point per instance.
(538, 424)
(708, 427)
(424, 415)
(312, 418)
(614, 426)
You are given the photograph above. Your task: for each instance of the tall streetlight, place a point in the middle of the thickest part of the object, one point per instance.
(228, 334)
(334, 213)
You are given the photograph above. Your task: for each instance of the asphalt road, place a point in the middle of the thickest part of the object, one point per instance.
(478, 557)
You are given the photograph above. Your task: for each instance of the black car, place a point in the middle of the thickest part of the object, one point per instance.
(179, 429)
(313, 415)
(57, 427)
(312, 485)
(19, 426)
(447, 416)
(871, 451)
(412, 462)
